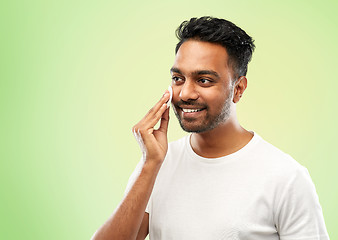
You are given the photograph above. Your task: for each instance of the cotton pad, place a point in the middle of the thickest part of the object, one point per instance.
(171, 95)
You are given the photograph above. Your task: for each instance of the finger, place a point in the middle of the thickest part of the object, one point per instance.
(151, 122)
(157, 106)
(164, 121)
(148, 143)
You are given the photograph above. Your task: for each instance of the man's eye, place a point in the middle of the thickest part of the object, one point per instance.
(176, 79)
(204, 81)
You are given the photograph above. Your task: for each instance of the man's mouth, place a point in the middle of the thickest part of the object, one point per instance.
(192, 112)
(188, 110)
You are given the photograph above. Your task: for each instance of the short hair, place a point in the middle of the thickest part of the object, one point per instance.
(238, 44)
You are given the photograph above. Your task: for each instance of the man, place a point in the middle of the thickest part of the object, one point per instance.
(221, 181)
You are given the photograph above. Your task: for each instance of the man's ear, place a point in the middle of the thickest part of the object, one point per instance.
(239, 88)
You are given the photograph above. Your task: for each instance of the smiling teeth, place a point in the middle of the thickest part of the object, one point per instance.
(190, 110)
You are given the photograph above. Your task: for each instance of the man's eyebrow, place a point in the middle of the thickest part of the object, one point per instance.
(197, 72)
(206, 72)
(174, 69)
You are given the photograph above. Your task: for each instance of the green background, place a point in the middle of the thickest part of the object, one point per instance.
(77, 75)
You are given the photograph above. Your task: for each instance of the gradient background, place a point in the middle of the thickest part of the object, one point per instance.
(77, 75)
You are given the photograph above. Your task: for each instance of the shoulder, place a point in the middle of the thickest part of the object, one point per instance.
(284, 172)
(179, 141)
(176, 151)
(279, 170)
(178, 146)
(275, 159)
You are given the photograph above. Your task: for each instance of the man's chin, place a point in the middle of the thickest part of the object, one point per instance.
(194, 125)
(192, 128)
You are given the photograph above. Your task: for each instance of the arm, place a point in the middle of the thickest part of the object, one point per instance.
(129, 220)
(299, 214)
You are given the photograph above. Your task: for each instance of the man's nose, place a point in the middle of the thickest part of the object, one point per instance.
(188, 91)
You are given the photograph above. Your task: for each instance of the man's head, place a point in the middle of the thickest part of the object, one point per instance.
(208, 75)
(237, 43)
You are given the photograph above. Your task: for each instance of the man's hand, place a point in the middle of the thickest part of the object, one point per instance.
(129, 220)
(154, 143)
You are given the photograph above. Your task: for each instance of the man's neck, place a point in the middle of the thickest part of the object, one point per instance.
(221, 141)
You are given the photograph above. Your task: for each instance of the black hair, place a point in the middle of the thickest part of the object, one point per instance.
(238, 44)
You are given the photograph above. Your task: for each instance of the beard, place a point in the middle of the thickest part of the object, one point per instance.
(210, 121)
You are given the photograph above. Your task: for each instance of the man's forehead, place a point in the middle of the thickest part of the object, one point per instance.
(197, 56)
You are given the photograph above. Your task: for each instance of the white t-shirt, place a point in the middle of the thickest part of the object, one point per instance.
(258, 192)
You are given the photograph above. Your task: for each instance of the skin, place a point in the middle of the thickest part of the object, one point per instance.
(202, 79)
(129, 220)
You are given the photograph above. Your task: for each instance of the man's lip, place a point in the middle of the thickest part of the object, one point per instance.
(192, 107)
(191, 113)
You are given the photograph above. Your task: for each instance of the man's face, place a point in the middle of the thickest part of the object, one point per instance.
(202, 86)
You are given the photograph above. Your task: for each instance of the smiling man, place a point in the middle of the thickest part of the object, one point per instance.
(221, 181)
